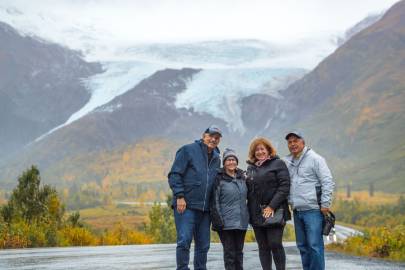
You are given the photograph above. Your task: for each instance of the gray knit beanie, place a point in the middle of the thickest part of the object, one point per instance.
(229, 153)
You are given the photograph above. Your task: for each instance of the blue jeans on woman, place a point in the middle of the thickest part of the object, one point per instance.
(308, 233)
(189, 224)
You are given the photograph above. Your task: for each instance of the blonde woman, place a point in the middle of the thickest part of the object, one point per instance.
(269, 185)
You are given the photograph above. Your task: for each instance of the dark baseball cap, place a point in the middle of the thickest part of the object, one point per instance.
(213, 130)
(294, 133)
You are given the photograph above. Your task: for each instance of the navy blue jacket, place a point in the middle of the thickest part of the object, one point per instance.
(192, 176)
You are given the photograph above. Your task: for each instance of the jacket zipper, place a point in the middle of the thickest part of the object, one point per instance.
(292, 196)
(206, 184)
(240, 201)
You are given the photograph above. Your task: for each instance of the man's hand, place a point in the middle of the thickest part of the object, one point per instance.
(181, 205)
(324, 210)
(267, 212)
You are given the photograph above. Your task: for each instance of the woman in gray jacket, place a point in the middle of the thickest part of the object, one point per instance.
(229, 213)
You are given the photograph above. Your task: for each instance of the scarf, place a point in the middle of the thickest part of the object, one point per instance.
(260, 162)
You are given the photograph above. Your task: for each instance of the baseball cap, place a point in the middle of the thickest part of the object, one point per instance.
(213, 130)
(294, 133)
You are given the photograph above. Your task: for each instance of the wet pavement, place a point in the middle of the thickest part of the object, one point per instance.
(160, 257)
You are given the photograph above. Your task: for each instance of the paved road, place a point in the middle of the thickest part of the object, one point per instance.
(158, 257)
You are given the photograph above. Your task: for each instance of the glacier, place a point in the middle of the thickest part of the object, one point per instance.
(117, 78)
(231, 69)
(219, 91)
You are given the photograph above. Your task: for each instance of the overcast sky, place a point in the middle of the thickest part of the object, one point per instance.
(190, 20)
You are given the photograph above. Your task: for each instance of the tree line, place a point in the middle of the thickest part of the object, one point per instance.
(34, 216)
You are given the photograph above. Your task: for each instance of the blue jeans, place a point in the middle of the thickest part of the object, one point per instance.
(308, 232)
(192, 223)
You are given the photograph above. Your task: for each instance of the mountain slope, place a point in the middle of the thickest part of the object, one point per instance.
(352, 105)
(41, 85)
(146, 111)
(350, 108)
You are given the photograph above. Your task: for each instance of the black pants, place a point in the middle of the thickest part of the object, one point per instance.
(232, 241)
(269, 240)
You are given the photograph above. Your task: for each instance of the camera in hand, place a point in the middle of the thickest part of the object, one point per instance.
(329, 223)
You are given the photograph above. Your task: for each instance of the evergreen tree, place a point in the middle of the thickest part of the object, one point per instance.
(30, 202)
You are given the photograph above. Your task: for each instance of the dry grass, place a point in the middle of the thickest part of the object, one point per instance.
(106, 217)
(363, 196)
(108, 222)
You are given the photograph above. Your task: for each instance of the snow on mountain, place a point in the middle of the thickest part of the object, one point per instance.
(232, 69)
(219, 91)
(363, 24)
(205, 54)
(117, 78)
(57, 26)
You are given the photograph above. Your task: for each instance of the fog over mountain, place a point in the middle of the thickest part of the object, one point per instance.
(87, 95)
(233, 67)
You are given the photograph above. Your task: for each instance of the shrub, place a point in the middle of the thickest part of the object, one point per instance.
(379, 242)
(77, 236)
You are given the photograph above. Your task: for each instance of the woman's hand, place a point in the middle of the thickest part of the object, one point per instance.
(267, 212)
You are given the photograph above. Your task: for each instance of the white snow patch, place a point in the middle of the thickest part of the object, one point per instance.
(232, 69)
(219, 91)
(117, 79)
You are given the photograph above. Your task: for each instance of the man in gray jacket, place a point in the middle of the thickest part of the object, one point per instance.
(310, 198)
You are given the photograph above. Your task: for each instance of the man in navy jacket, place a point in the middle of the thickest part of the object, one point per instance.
(191, 179)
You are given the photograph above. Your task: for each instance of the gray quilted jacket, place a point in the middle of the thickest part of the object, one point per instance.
(311, 181)
(228, 202)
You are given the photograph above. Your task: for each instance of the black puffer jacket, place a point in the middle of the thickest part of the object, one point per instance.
(268, 185)
(228, 208)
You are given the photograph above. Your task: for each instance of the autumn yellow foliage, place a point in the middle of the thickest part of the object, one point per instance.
(380, 242)
(364, 196)
(382, 225)
(77, 236)
(122, 235)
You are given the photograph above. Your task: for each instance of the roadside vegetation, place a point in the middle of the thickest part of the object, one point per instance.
(383, 226)
(34, 215)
